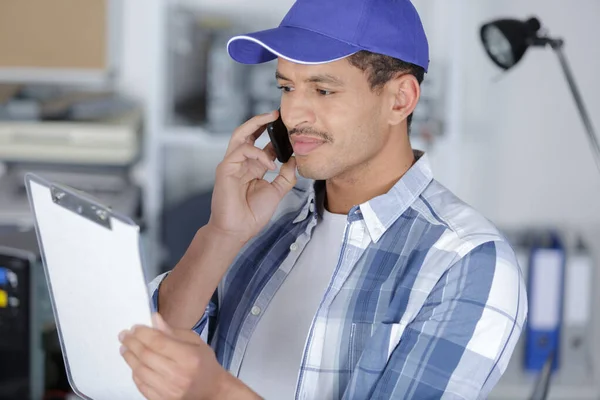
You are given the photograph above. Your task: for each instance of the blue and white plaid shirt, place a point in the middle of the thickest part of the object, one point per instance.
(427, 300)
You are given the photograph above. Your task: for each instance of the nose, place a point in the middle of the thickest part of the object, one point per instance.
(297, 112)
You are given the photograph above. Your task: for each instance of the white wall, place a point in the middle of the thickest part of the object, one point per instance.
(527, 159)
(517, 150)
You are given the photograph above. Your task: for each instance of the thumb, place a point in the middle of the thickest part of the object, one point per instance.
(285, 181)
(160, 324)
(185, 335)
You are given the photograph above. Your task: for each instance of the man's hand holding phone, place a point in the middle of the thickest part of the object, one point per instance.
(243, 201)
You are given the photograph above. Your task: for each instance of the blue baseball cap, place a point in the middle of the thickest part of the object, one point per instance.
(321, 31)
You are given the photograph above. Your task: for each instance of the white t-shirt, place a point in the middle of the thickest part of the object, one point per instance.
(273, 355)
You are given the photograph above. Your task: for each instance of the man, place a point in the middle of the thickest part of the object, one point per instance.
(366, 279)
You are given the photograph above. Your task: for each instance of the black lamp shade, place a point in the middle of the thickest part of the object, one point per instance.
(506, 40)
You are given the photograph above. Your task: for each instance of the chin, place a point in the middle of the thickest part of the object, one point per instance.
(312, 171)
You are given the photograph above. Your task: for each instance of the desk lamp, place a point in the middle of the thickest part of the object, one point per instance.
(507, 40)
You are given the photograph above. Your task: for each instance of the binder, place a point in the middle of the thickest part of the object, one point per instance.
(580, 274)
(545, 293)
(94, 271)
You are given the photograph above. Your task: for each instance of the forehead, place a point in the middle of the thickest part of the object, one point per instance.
(341, 69)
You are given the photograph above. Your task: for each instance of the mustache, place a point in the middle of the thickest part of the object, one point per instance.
(311, 132)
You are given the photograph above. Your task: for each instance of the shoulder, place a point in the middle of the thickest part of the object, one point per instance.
(468, 247)
(483, 263)
(440, 206)
(463, 228)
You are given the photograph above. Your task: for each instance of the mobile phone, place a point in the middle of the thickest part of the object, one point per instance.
(278, 134)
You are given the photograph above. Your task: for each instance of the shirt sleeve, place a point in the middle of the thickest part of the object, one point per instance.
(202, 326)
(460, 342)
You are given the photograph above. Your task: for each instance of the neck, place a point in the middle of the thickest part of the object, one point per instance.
(370, 179)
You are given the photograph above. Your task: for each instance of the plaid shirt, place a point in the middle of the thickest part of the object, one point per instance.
(427, 300)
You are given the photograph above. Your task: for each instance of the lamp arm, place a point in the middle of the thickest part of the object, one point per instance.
(557, 46)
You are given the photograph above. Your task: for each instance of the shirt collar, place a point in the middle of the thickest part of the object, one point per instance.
(382, 211)
(314, 190)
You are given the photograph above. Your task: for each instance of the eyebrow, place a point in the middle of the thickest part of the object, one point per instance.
(320, 78)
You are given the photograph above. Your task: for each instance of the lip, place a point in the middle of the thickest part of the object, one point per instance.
(303, 145)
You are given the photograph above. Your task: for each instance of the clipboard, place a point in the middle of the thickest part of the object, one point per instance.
(94, 270)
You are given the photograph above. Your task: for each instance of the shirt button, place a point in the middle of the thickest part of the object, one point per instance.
(255, 310)
(294, 247)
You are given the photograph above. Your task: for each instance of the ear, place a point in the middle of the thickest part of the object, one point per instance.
(404, 92)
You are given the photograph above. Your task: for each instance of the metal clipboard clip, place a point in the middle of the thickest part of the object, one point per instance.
(79, 205)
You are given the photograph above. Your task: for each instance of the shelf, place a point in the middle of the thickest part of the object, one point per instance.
(193, 136)
(201, 137)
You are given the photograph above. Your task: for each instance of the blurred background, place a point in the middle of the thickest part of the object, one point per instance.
(134, 101)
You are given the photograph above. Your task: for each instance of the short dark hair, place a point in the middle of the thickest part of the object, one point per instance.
(380, 69)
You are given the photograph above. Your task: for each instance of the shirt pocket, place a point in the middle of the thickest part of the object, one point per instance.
(369, 344)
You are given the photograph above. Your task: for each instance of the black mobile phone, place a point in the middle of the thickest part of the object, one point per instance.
(278, 134)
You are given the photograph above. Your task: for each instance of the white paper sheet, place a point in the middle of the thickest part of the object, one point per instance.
(98, 290)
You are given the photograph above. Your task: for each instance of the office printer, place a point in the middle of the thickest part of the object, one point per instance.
(94, 156)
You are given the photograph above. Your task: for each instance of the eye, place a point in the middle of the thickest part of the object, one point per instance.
(324, 92)
(284, 88)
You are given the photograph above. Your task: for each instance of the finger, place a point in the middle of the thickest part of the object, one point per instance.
(270, 150)
(245, 153)
(138, 355)
(154, 382)
(285, 181)
(271, 155)
(148, 381)
(159, 323)
(187, 336)
(257, 170)
(149, 342)
(250, 131)
(160, 374)
(147, 391)
(130, 358)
